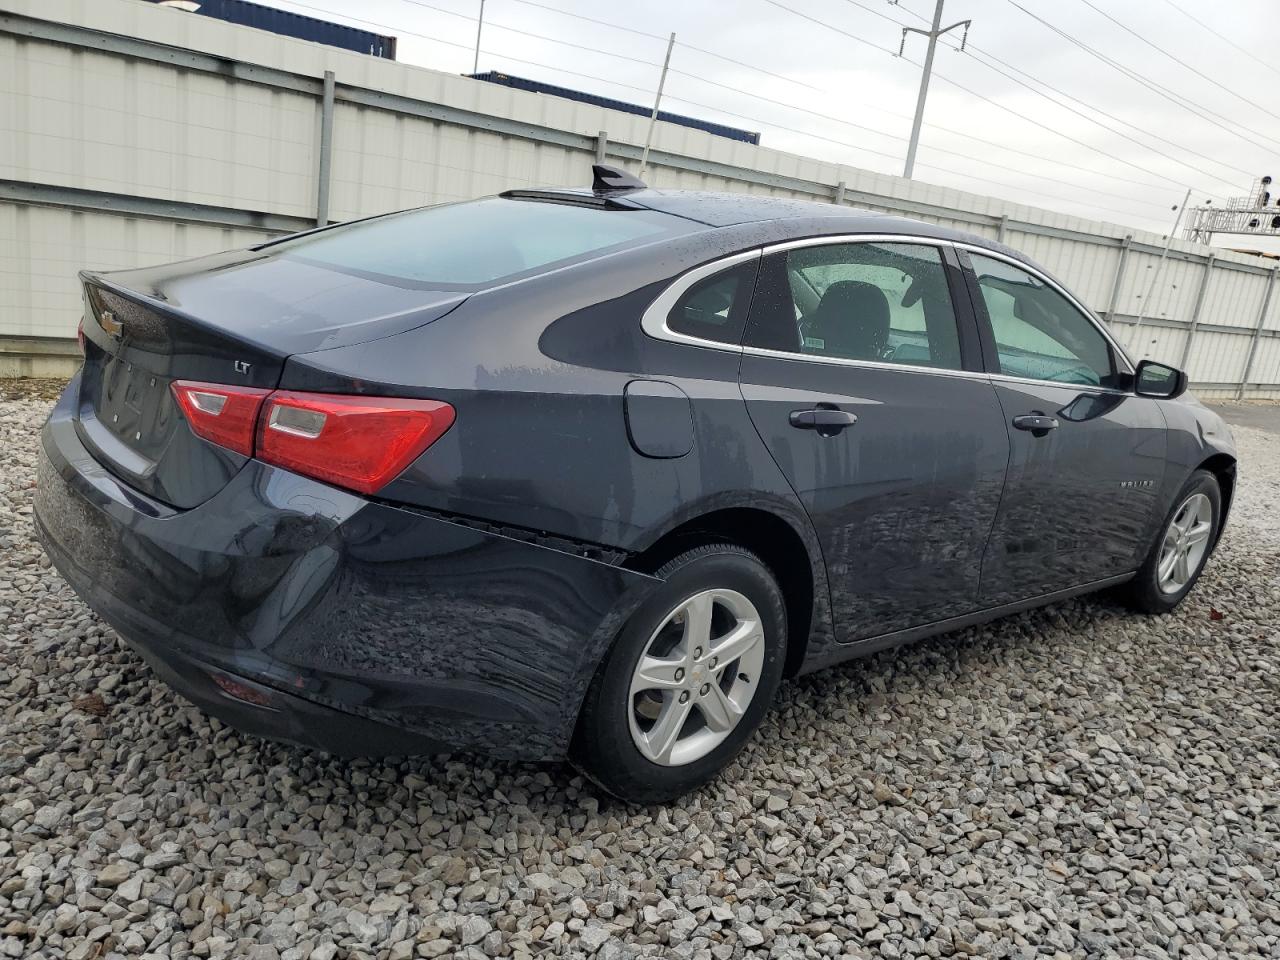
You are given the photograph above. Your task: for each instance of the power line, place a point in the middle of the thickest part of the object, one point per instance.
(966, 156)
(1175, 59)
(1043, 126)
(1110, 116)
(779, 103)
(607, 53)
(1222, 37)
(858, 147)
(974, 93)
(1099, 123)
(790, 106)
(1177, 99)
(655, 36)
(975, 49)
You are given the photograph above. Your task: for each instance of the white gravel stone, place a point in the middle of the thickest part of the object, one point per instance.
(1073, 781)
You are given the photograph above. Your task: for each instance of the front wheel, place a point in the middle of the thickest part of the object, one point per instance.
(1182, 546)
(688, 680)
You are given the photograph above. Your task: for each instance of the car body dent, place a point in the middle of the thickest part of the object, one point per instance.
(464, 636)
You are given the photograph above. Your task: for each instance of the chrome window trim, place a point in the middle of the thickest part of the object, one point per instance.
(1050, 282)
(840, 239)
(870, 364)
(654, 320)
(1092, 388)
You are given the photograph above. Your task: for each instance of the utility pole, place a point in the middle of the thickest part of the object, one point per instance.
(1155, 276)
(933, 33)
(653, 117)
(475, 66)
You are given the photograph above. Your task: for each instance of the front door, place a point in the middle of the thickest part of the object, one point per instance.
(1087, 455)
(866, 388)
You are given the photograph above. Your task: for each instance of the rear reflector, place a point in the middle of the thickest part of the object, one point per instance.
(221, 414)
(241, 691)
(361, 443)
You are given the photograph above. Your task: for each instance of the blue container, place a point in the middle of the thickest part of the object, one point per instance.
(295, 25)
(719, 130)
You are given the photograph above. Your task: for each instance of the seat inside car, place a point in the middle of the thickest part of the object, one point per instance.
(852, 320)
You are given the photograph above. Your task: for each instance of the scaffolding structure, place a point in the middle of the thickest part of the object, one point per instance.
(1257, 214)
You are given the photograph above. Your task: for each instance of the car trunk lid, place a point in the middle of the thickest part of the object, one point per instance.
(230, 319)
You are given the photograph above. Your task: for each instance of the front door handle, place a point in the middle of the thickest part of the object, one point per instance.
(1037, 423)
(828, 421)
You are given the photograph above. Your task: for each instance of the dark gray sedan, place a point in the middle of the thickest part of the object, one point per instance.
(588, 473)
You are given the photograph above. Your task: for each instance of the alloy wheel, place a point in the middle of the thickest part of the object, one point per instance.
(1185, 543)
(696, 677)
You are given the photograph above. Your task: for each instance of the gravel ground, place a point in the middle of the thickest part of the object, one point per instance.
(1076, 781)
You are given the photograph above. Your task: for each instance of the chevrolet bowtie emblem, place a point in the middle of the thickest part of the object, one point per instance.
(109, 323)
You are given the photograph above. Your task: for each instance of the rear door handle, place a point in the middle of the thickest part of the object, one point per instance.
(825, 420)
(1037, 423)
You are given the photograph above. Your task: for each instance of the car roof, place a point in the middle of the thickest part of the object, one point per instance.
(729, 209)
(719, 209)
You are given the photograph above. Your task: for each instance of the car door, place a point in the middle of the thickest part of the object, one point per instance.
(864, 382)
(1086, 454)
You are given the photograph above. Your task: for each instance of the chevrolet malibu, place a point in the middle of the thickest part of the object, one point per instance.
(587, 473)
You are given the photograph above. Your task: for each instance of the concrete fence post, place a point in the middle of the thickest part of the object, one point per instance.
(1002, 230)
(839, 197)
(1257, 332)
(1119, 278)
(1195, 311)
(602, 145)
(325, 162)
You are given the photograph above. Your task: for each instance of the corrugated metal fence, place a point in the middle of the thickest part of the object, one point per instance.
(134, 134)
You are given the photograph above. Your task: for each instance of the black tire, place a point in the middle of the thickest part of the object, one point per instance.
(603, 747)
(1143, 592)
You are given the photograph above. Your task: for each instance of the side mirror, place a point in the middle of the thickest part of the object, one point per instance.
(1159, 380)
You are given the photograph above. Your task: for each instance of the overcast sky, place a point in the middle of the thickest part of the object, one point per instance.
(860, 96)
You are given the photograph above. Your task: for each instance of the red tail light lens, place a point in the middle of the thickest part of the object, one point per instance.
(361, 443)
(221, 414)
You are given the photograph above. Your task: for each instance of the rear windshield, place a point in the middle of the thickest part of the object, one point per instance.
(479, 242)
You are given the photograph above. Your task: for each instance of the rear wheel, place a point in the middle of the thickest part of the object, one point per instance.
(1181, 547)
(688, 680)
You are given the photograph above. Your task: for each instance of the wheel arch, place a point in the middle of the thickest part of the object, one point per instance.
(769, 536)
(1223, 467)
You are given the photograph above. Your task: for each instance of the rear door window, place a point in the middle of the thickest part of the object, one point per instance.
(878, 302)
(481, 242)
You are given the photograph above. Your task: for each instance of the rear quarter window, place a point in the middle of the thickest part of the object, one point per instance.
(480, 242)
(715, 308)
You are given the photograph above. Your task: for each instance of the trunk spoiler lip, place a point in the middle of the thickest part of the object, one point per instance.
(94, 278)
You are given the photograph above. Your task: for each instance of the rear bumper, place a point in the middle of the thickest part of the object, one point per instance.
(367, 629)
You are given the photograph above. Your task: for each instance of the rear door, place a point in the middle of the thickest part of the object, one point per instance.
(864, 381)
(1087, 455)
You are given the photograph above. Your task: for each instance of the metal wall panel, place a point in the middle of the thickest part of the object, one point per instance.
(1218, 357)
(1266, 363)
(119, 114)
(101, 122)
(1151, 342)
(1272, 319)
(43, 248)
(1233, 297)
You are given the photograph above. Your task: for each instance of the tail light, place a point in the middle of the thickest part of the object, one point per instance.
(360, 443)
(221, 414)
